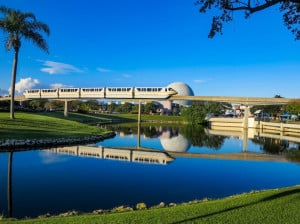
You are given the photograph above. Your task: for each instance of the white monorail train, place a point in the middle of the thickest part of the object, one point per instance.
(101, 92)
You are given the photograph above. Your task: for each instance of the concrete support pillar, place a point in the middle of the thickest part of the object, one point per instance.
(245, 128)
(246, 116)
(139, 126)
(66, 108)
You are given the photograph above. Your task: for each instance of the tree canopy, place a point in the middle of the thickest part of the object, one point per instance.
(290, 11)
(18, 25)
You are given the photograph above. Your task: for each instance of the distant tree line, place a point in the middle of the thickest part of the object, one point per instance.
(81, 106)
(293, 108)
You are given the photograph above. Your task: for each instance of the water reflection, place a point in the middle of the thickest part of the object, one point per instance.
(181, 139)
(9, 185)
(166, 168)
(136, 155)
(178, 139)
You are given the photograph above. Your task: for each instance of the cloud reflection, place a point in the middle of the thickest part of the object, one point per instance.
(50, 158)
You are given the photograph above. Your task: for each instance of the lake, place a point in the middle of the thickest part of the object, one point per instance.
(166, 164)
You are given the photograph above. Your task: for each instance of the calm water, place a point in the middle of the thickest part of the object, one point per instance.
(49, 181)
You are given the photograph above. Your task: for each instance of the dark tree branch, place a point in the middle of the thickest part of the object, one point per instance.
(254, 9)
(289, 8)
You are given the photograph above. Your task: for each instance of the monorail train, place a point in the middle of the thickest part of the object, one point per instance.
(101, 92)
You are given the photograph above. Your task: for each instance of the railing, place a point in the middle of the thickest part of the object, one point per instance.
(282, 128)
(264, 127)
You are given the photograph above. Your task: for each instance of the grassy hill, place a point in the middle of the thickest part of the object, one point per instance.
(47, 125)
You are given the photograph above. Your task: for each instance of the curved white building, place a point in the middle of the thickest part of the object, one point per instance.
(182, 89)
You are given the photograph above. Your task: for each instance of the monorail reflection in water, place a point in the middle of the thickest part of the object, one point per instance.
(106, 175)
(137, 155)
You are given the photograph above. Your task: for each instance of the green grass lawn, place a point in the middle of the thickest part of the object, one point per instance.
(47, 125)
(148, 117)
(55, 125)
(265, 207)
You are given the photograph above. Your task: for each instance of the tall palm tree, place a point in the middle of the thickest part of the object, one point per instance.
(20, 25)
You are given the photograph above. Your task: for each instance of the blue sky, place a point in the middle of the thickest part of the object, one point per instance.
(96, 43)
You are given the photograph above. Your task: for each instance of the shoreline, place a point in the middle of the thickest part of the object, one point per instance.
(248, 199)
(25, 144)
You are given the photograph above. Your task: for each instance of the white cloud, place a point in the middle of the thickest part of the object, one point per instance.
(58, 85)
(126, 76)
(26, 83)
(59, 68)
(103, 70)
(199, 81)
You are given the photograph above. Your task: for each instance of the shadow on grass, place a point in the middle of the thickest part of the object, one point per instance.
(87, 118)
(266, 199)
(26, 133)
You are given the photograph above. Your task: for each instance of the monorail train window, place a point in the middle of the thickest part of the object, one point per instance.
(139, 89)
(33, 91)
(119, 89)
(148, 89)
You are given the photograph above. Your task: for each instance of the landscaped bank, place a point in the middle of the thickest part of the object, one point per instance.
(266, 207)
(37, 130)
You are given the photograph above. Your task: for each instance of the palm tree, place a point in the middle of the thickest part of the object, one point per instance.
(20, 25)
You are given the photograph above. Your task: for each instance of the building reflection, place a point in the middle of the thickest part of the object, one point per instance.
(173, 141)
(180, 139)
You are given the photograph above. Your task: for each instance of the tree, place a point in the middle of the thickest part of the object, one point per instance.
(112, 107)
(20, 25)
(196, 113)
(125, 108)
(289, 8)
(38, 104)
(293, 107)
(276, 109)
(150, 107)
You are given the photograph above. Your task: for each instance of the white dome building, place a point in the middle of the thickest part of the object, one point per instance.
(182, 90)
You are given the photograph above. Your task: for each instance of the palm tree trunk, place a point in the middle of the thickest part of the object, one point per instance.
(13, 83)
